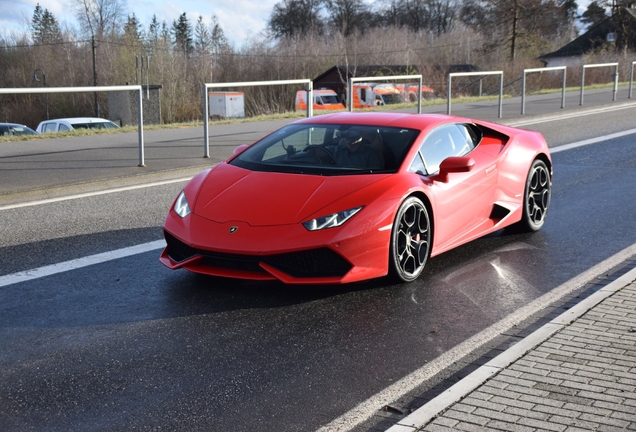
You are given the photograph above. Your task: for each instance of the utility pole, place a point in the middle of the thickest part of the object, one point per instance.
(95, 77)
(35, 79)
(513, 41)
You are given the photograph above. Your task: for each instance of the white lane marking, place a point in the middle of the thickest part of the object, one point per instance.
(592, 141)
(41, 272)
(568, 115)
(90, 194)
(374, 404)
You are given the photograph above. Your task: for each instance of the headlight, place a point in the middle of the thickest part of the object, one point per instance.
(331, 221)
(181, 206)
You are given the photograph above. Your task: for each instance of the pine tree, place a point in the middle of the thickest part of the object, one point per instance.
(182, 34)
(594, 14)
(44, 26)
(202, 37)
(133, 28)
(153, 30)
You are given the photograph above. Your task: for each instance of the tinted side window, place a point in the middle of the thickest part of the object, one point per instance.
(445, 141)
(462, 140)
(63, 127)
(50, 127)
(417, 166)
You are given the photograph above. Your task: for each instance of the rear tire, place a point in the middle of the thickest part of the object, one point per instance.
(410, 241)
(536, 198)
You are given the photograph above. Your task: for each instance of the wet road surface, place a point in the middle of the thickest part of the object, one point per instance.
(130, 345)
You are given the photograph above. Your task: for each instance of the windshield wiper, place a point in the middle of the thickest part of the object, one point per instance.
(368, 171)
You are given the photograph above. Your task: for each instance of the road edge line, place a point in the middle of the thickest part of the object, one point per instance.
(365, 410)
(591, 141)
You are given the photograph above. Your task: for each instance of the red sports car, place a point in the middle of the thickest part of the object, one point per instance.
(351, 196)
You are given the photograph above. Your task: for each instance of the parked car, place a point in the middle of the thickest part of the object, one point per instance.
(61, 125)
(15, 129)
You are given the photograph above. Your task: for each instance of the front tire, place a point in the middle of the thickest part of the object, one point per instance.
(410, 241)
(537, 195)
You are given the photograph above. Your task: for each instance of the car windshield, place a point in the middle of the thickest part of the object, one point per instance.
(392, 98)
(329, 99)
(329, 150)
(17, 130)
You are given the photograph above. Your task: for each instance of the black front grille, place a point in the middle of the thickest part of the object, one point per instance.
(177, 250)
(321, 262)
(231, 262)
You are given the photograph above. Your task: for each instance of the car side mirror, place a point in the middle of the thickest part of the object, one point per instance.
(455, 164)
(240, 149)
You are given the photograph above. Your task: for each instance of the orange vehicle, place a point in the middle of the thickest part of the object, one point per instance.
(409, 92)
(324, 99)
(368, 95)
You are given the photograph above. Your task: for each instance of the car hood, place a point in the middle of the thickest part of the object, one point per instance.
(231, 193)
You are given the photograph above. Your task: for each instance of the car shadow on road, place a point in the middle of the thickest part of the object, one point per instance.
(138, 288)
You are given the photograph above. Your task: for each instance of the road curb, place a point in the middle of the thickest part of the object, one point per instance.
(460, 390)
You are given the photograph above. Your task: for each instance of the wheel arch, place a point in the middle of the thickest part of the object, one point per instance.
(546, 160)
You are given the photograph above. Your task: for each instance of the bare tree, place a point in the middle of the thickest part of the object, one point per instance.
(291, 18)
(347, 16)
(442, 16)
(101, 18)
(436, 16)
(517, 24)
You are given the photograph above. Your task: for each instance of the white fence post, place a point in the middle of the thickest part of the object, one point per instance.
(631, 80)
(539, 70)
(206, 135)
(615, 90)
(480, 74)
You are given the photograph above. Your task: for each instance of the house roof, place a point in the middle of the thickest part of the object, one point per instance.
(592, 39)
(371, 70)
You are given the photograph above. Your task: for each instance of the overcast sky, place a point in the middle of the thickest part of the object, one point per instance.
(240, 19)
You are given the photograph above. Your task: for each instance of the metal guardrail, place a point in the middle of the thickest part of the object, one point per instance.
(615, 65)
(386, 78)
(137, 88)
(539, 70)
(460, 74)
(206, 102)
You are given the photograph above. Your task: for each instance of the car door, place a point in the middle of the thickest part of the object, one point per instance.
(463, 200)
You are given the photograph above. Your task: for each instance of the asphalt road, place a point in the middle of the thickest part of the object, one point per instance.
(129, 345)
(31, 169)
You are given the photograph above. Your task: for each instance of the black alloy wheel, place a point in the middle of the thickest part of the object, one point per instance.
(410, 240)
(536, 196)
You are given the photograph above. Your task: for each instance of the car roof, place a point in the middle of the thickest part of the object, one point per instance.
(393, 119)
(79, 120)
(12, 124)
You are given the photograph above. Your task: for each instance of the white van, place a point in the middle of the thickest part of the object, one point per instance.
(67, 124)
